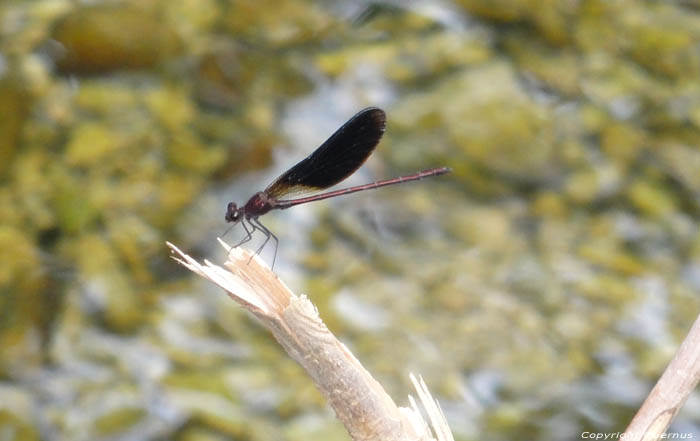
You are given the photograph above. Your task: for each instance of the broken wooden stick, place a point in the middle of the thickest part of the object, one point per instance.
(359, 401)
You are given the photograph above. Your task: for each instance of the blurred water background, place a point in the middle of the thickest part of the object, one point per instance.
(540, 288)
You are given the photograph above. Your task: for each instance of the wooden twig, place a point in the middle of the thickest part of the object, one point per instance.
(670, 392)
(359, 401)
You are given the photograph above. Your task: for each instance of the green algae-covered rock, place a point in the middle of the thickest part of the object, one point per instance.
(279, 23)
(15, 104)
(23, 293)
(104, 38)
(501, 130)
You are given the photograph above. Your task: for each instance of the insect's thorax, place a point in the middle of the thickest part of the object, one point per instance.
(258, 205)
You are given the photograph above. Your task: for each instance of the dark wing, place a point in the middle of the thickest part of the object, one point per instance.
(336, 159)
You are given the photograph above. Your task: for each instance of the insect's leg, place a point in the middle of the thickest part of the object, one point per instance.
(258, 226)
(265, 231)
(277, 244)
(249, 234)
(227, 231)
(269, 235)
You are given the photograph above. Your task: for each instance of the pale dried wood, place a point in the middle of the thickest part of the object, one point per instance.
(670, 393)
(359, 401)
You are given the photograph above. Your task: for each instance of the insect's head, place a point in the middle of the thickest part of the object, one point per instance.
(233, 213)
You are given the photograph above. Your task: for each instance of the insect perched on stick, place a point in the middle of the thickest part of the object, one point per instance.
(336, 159)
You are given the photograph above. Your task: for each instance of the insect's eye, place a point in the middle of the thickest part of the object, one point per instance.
(233, 214)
